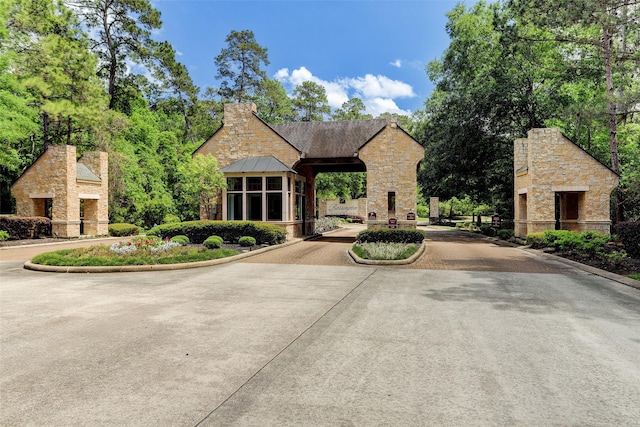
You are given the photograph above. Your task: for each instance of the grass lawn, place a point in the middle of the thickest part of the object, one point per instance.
(138, 252)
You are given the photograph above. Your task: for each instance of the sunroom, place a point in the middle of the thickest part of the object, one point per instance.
(264, 189)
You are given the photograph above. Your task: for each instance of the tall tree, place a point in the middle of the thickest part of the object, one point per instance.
(274, 106)
(353, 109)
(175, 78)
(600, 34)
(239, 67)
(121, 31)
(200, 183)
(489, 91)
(58, 70)
(310, 101)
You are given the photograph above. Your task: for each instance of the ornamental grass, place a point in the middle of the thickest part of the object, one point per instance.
(385, 251)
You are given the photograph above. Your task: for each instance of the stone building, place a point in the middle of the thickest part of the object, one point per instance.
(558, 185)
(271, 168)
(73, 194)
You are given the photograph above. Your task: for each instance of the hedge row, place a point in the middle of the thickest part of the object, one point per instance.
(118, 229)
(629, 235)
(230, 231)
(590, 242)
(26, 227)
(385, 235)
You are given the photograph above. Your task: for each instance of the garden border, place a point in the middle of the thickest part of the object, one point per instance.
(151, 267)
(413, 258)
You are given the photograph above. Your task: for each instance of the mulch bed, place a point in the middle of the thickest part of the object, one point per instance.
(623, 268)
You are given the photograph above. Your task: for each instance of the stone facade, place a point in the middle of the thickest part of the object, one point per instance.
(389, 155)
(57, 187)
(392, 158)
(355, 207)
(558, 185)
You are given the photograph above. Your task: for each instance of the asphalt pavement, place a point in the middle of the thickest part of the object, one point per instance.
(256, 343)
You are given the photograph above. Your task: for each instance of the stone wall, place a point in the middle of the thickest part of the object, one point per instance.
(245, 135)
(392, 159)
(53, 177)
(546, 163)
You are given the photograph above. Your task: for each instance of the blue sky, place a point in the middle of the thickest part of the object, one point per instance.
(375, 50)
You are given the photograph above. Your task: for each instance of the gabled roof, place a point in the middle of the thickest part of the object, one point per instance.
(83, 173)
(257, 164)
(329, 139)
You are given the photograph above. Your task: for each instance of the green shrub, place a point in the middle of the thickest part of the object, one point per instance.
(230, 231)
(180, 238)
(384, 235)
(246, 241)
(592, 242)
(170, 219)
(563, 240)
(423, 211)
(123, 229)
(3, 236)
(629, 235)
(385, 251)
(505, 234)
(487, 230)
(536, 240)
(26, 227)
(213, 242)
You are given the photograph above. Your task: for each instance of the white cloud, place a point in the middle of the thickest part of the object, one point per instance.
(378, 93)
(397, 63)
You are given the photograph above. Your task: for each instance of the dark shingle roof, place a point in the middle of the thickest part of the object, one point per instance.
(257, 164)
(83, 173)
(329, 139)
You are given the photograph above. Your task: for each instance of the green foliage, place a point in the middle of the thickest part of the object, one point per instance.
(200, 180)
(536, 240)
(123, 229)
(246, 241)
(102, 256)
(170, 219)
(239, 67)
(180, 238)
(344, 185)
(383, 235)
(353, 109)
(505, 234)
(213, 242)
(310, 101)
(385, 251)
(230, 231)
(4, 235)
(629, 235)
(423, 211)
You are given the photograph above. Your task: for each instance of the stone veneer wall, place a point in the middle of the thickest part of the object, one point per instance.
(545, 163)
(392, 159)
(53, 176)
(95, 195)
(245, 135)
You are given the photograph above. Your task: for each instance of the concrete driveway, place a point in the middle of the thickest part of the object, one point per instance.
(257, 343)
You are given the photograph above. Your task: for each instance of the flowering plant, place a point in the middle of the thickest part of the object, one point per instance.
(153, 245)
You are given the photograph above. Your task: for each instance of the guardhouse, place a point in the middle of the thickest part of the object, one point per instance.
(559, 186)
(74, 194)
(271, 168)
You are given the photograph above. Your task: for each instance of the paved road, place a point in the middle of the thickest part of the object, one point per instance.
(269, 344)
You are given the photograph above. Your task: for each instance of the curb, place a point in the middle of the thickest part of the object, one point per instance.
(587, 268)
(413, 258)
(154, 267)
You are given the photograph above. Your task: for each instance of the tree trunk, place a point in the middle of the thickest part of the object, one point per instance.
(612, 111)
